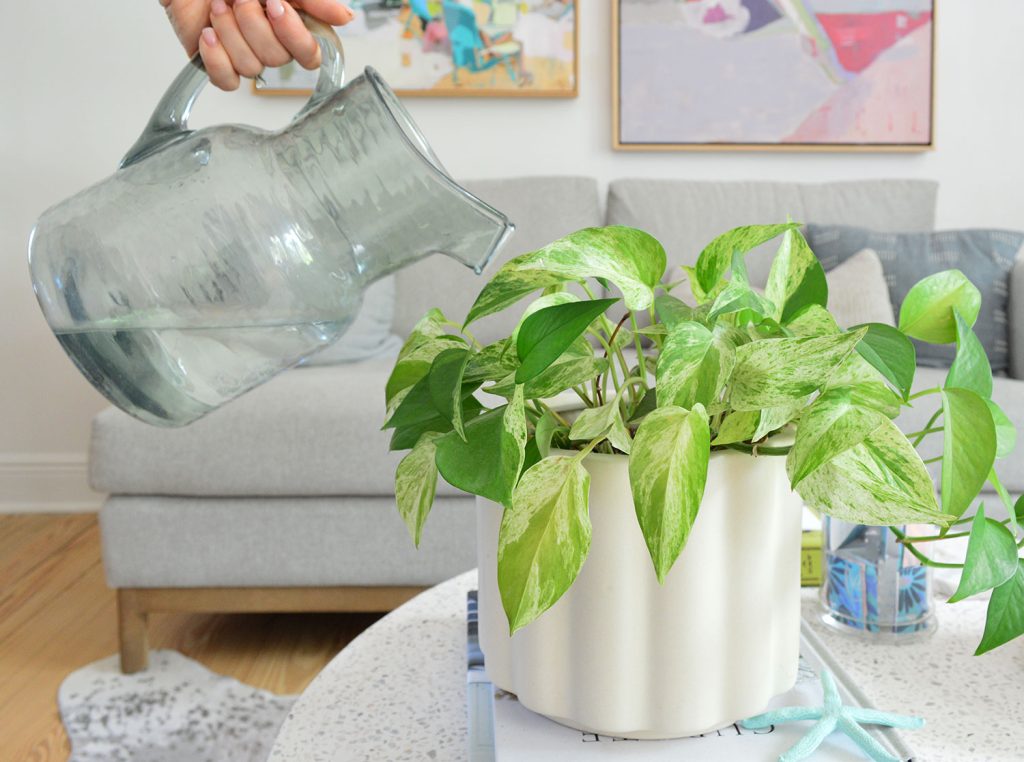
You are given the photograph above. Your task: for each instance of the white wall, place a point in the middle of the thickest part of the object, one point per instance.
(80, 78)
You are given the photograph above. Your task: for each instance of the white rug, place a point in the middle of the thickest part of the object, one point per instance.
(176, 711)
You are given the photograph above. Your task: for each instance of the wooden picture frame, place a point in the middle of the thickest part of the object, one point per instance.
(622, 140)
(551, 68)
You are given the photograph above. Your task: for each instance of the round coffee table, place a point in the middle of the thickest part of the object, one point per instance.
(398, 691)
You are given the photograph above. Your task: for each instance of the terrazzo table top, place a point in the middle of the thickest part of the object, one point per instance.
(397, 692)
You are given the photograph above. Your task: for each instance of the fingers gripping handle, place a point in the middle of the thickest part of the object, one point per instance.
(169, 122)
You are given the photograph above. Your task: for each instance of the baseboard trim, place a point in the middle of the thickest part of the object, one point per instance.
(46, 483)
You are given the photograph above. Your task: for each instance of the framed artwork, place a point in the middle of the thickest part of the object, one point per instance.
(496, 48)
(812, 75)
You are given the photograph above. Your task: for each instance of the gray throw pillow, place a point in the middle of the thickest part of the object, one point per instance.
(984, 256)
(857, 292)
(370, 333)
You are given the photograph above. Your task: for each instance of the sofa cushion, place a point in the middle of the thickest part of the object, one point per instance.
(984, 256)
(857, 292)
(309, 432)
(686, 215)
(542, 208)
(281, 542)
(1008, 393)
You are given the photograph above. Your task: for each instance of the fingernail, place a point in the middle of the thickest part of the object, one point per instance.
(210, 37)
(350, 12)
(275, 9)
(218, 7)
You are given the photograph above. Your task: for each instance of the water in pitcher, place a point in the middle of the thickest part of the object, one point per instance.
(172, 376)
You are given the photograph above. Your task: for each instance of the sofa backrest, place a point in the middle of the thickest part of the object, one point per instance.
(542, 208)
(686, 215)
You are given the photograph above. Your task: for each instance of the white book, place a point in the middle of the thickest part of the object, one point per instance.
(502, 730)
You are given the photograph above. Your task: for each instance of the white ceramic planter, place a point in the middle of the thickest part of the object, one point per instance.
(620, 654)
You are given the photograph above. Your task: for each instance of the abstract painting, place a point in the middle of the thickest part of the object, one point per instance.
(455, 47)
(784, 74)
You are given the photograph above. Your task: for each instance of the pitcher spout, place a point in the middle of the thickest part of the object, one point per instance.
(425, 209)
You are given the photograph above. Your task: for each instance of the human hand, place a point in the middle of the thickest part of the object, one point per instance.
(238, 38)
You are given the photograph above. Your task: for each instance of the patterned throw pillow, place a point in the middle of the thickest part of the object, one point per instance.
(984, 256)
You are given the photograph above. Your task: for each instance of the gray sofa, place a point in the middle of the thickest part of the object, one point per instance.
(283, 499)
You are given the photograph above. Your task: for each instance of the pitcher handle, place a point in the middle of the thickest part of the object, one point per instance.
(169, 122)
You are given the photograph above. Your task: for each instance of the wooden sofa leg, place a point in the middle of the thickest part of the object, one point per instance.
(132, 622)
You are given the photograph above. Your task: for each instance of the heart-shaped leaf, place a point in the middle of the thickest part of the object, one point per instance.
(717, 255)
(415, 485)
(547, 333)
(969, 448)
(739, 297)
(672, 311)
(629, 258)
(602, 421)
(738, 426)
(991, 557)
(576, 365)
(489, 460)
(1005, 618)
(891, 353)
(446, 387)
(777, 372)
(796, 279)
(544, 538)
(668, 469)
(970, 369)
(880, 482)
(693, 366)
(927, 310)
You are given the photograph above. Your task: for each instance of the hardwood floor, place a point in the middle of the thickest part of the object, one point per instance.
(57, 614)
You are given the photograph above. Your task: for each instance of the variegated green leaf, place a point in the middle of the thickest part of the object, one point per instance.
(830, 426)
(575, 366)
(813, 320)
(415, 485)
(738, 426)
(991, 557)
(739, 297)
(414, 365)
(629, 258)
(543, 431)
(774, 418)
(927, 310)
(968, 448)
(796, 279)
(667, 472)
(891, 353)
(492, 363)
(489, 460)
(880, 482)
(544, 538)
(717, 255)
(549, 332)
(671, 311)
(777, 372)
(603, 421)
(970, 368)
(693, 366)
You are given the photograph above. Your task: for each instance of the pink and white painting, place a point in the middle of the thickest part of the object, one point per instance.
(782, 73)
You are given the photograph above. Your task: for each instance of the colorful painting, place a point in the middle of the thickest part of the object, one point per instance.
(455, 47)
(794, 74)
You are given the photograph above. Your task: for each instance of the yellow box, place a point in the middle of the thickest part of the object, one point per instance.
(812, 560)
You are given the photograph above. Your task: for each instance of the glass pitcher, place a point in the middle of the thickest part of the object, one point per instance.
(214, 259)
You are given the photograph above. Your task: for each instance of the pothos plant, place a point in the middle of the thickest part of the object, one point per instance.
(725, 369)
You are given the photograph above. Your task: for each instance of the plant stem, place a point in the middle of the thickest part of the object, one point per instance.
(641, 359)
(590, 446)
(925, 432)
(936, 459)
(582, 394)
(902, 537)
(927, 426)
(755, 450)
(923, 392)
(555, 414)
(934, 537)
